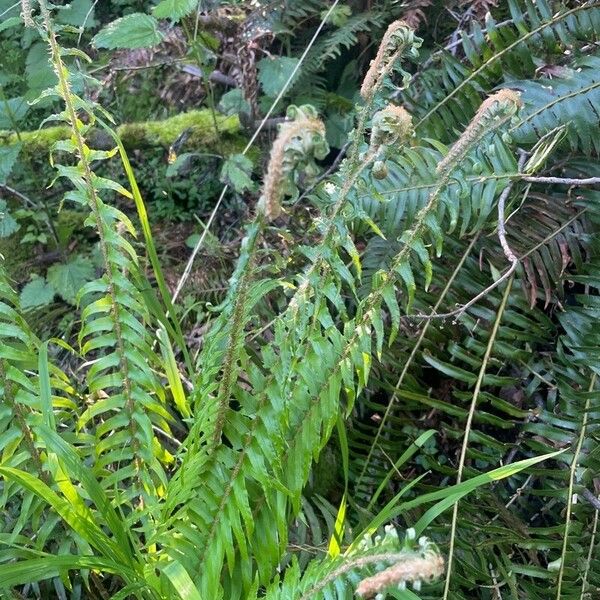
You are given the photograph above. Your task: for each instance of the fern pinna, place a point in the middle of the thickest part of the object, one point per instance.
(209, 516)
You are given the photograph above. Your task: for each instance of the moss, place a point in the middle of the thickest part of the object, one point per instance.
(37, 141)
(199, 123)
(16, 256)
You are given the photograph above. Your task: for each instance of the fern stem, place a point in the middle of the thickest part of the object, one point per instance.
(9, 397)
(411, 358)
(588, 562)
(239, 291)
(572, 473)
(463, 452)
(508, 253)
(94, 203)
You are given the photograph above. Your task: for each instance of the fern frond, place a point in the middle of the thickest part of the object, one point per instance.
(128, 393)
(445, 99)
(571, 99)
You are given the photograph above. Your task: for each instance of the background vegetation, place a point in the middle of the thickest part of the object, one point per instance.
(299, 299)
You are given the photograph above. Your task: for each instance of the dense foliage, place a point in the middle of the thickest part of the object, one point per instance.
(370, 371)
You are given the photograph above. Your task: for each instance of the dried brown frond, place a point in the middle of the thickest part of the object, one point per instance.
(479, 8)
(415, 14)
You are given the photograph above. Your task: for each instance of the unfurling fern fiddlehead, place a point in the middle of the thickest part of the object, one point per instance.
(373, 566)
(298, 143)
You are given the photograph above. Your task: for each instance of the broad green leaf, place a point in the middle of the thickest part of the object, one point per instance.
(273, 73)
(69, 278)
(8, 225)
(39, 71)
(39, 569)
(8, 158)
(174, 9)
(172, 372)
(338, 531)
(449, 495)
(79, 13)
(182, 582)
(133, 31)
(458, 491)
(85, 527)
(38, 292)
(12, 111)
(237, 172)
(102, 504)
(10, 22)
(234, 103)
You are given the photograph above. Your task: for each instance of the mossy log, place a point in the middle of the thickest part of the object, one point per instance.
(197, 124)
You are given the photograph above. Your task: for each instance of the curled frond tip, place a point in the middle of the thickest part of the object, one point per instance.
(398, 35)
(414, 569)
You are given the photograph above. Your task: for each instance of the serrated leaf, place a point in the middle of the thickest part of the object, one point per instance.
(8, 157)
(69, 278)
(132, 31)
(174, 9)
(79, 13)
(12, 111)
(234, 103)
(39, 71)
(38, 292)
(8, 225)
(273, 73)
(237, 171)
(10, 22)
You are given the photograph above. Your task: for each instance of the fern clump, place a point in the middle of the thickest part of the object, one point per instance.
(158, 470)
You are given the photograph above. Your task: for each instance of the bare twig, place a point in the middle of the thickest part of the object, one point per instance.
(591, 498)
(562, 180)
(18, 195)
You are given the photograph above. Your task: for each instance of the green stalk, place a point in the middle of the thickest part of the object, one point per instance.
(463, 452)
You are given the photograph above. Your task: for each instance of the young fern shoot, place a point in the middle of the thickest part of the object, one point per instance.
(126, 390)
